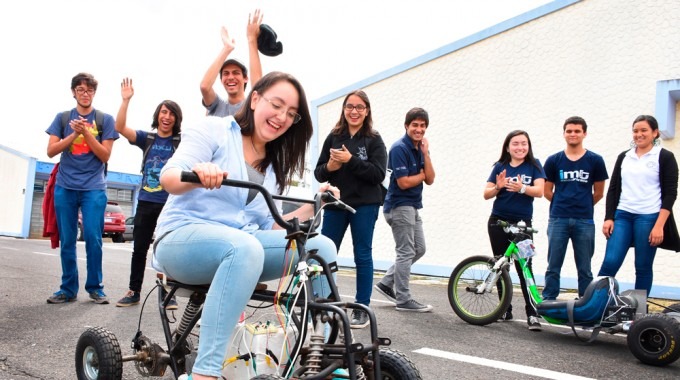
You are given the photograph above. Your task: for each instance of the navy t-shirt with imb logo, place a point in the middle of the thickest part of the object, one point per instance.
(513, 205)
(573, 191)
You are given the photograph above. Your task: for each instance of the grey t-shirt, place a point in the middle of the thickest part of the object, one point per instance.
(222, 108)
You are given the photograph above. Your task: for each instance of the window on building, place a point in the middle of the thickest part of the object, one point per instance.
(119, 195)
(39, 186)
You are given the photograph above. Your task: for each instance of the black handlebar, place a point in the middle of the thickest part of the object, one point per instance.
(189, 176)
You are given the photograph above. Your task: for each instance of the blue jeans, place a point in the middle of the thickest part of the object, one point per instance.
(582, 235)
(362, 226)
(232, 262)
(409, 239)
(92, 204)
(631, 230)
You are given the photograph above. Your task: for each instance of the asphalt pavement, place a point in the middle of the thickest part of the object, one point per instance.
(38, 340)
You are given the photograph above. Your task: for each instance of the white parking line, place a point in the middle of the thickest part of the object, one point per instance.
(372, 299)
(118, 247)
(500, 365)
(55, 255)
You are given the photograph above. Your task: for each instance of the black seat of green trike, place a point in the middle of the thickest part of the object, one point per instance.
(587, 310)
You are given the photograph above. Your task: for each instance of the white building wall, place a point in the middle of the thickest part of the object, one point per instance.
(599, 59)
(15, 192)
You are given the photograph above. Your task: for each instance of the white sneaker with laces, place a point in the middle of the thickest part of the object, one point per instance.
(534, 324)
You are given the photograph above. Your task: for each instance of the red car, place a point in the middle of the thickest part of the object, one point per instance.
(114, 223)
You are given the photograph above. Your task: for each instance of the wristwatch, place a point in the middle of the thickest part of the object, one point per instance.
(523, 189)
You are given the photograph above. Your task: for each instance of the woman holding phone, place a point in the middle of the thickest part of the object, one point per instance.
(354, 159)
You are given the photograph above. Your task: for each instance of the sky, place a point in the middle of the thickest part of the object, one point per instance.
(165, 46)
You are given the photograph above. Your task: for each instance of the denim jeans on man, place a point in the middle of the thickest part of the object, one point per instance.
(232, 261)
(582, 235)
(362, 226)
(92, 204)
(146, 218)
(631, 230)
(407, 229)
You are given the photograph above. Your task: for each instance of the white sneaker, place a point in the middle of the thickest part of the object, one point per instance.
(534, 324)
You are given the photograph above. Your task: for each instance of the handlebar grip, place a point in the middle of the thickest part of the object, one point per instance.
(329, 198)
(188, 176)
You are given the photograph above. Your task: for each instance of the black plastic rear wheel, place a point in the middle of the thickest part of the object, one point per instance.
(98, 355)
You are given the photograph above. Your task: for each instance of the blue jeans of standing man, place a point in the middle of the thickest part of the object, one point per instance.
(582, 235)
(362, 226)
(631, 230)
(92, 204)
(409, 237)
(232, 262)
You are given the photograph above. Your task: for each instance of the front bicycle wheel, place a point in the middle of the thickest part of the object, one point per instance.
(472, 305)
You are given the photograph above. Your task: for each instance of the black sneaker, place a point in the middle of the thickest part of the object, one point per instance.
(534, 324)
(386, 291)
(131, 298)
(507, 316)
(414, 306)
(172, 305)
(359, 319)
(60, 297)
(99, 297)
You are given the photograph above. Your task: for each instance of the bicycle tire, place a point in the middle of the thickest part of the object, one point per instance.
(478, 309)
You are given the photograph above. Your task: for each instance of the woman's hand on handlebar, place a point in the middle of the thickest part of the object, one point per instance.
(210, 174)
(327, 187)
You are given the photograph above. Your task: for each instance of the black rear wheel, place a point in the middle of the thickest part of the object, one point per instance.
(395, 365)
(654, 339)
(98, 355)
(474, 306)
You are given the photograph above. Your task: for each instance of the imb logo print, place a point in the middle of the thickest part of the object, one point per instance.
(525, 179)
(574, 176)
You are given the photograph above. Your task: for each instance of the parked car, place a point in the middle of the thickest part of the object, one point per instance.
(114, 223)
(129, 228)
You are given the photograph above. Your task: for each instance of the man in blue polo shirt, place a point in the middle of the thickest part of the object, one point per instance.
(409, 160)
(574, 184)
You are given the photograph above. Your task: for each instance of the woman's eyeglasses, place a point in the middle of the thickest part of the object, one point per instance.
(358, 107)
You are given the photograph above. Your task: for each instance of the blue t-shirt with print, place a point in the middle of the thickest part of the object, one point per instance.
(159, 154)
(513, 205)
(79, 167)
(404, 160)
(573, 192)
